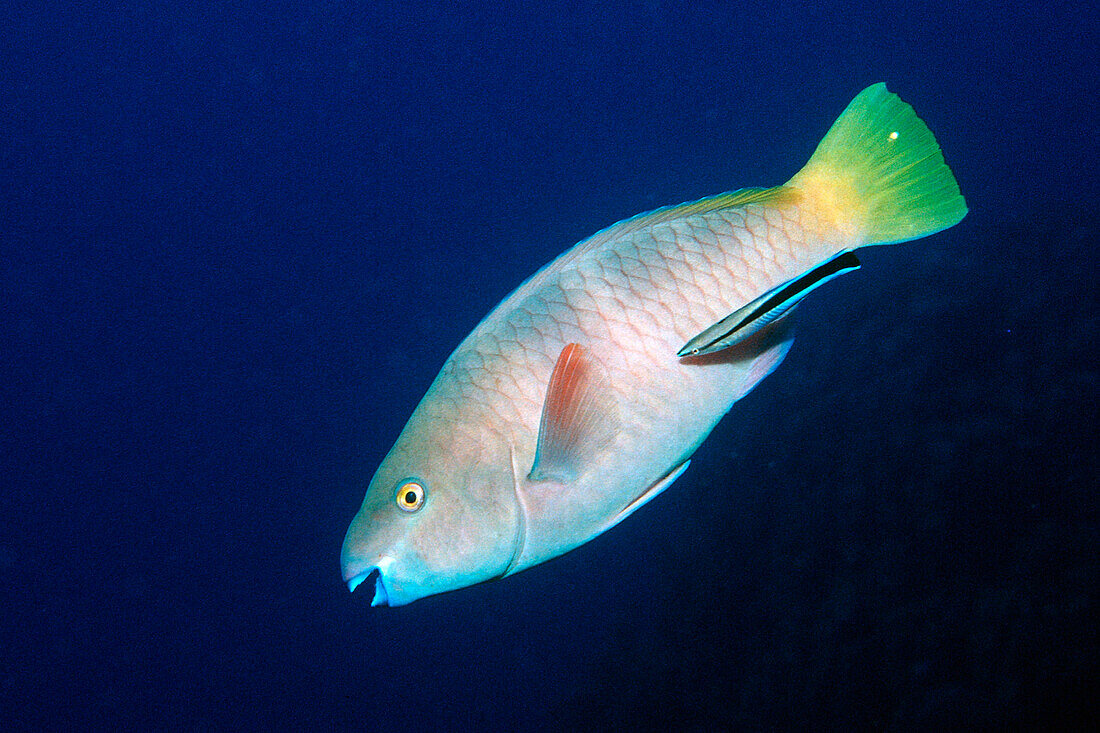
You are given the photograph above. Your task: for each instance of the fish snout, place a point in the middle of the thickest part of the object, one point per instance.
(362, 558)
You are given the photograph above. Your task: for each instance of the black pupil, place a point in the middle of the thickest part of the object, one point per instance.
(410, 497)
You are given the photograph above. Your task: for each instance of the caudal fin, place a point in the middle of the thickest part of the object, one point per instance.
(879, 174)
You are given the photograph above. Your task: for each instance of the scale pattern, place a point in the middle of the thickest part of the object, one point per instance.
(633, 301)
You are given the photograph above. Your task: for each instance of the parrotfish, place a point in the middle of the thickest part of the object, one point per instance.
(584, 393)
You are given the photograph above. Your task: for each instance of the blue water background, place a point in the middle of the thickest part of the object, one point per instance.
(240, 239)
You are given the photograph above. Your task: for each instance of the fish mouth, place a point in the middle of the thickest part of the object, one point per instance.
(381, 595)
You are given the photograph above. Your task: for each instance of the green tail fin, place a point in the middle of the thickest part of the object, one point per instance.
(879, 173)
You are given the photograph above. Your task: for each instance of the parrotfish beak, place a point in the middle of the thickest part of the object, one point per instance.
(356, 574)
(381, 597)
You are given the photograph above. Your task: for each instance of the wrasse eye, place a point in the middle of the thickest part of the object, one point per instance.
(410, 496)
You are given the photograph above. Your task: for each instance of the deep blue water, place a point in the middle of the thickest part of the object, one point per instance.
(239, 241)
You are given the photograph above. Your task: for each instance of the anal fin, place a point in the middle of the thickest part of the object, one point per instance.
(651, 492)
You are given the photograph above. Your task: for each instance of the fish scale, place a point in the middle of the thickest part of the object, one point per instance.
(583, 394)
(635, 303)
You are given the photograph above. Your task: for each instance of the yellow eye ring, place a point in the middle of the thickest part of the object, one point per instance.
(410, 496)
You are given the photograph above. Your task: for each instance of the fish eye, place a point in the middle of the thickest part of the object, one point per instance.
(410, 495)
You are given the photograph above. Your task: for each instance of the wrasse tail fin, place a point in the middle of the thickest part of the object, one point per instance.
(578, 417)
(879, 173)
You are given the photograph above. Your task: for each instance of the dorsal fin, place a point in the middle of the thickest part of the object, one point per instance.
(578, 417)
(775, 196)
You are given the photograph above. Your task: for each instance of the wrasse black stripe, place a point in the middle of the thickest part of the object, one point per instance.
(836, 266)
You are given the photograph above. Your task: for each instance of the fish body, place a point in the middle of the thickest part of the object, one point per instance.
(586, 391)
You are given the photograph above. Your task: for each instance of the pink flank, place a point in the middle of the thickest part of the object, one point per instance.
(632, 297)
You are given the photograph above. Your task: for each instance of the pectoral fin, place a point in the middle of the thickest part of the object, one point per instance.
(767, 309)
(579, 417)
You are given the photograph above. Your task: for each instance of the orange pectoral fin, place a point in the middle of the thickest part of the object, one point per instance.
(579, 417)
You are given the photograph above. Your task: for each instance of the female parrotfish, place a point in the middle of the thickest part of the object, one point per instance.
(584, 393)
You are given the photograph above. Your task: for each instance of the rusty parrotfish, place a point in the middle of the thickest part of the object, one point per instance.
(584, 393)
